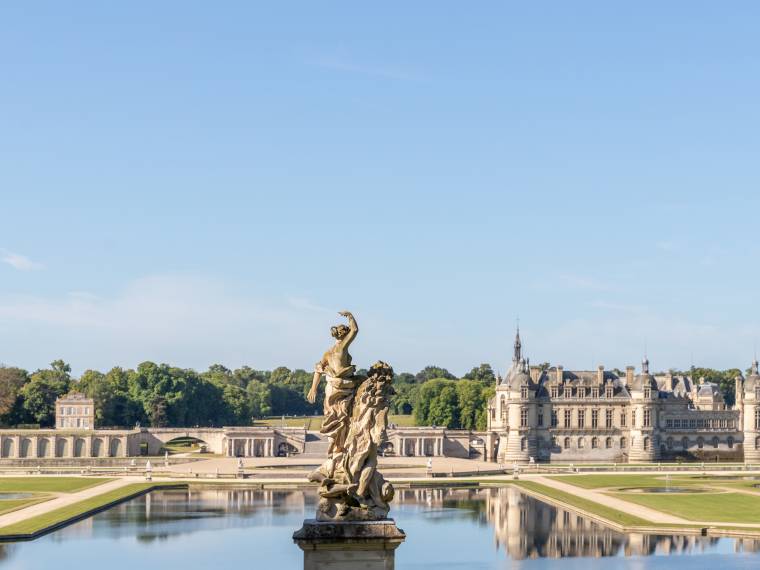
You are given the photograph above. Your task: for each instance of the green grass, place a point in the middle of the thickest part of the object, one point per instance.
(35, 484)
(608, 513)
(53, 519)
(10, 505)
(713, 507)
(623, 480)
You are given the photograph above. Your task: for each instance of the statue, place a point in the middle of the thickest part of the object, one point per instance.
(355, 422)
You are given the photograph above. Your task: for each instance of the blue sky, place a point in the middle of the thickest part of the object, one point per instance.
(192, 184)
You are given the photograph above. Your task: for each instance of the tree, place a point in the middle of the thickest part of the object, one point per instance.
(483, 374)
(259, 399)
(431, 372)
(426, 394)
(470, 401)
(41, 392)
(12, 380)
(444, 408)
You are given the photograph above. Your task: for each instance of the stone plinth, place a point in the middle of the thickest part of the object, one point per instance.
(369, 545)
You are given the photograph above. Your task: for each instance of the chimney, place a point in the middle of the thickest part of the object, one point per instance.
(628, 375)
(560, 374)
(535, 373)
(600, 374)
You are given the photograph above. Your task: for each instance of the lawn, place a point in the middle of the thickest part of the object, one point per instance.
(63, 515)
(608, 513)
(626, 480)
(35, 484)
(708, 507)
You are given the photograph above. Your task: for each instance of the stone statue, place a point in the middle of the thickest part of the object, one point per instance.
(355, 422)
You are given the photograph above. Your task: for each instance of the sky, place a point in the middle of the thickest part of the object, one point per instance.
(198, 183)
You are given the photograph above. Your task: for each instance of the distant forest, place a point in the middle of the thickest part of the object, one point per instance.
(160, 395)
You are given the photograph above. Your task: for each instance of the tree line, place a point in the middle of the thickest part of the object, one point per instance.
(160, 395)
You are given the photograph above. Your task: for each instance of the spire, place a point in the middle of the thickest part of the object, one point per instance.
(645, 366)
(753, 370)
(518, 346)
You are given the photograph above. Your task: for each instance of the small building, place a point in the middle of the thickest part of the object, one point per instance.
(74, 411)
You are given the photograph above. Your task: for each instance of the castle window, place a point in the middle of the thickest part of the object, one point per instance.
(669, 443)
(608, 391)
(647, 418)
(594, 443)
(523, 443)
(647, 392)
(677, 423)
(581, 443)
(623, 415)
(555, 420)
(757, 443)
(594, 419)
(523, 392)
(700, 443)
(608, 443)
(685, 443)
(668, 423)
(567, 442)
(715, 442)
(540, 417)
(568, 392)
(594, 392)
(730, 442)
(567, 418)
(581, 418)
(503, 409)
(608, 418)
(554, 391)
(646, 444)
(524, 417)
(582, 392)
(623, 443)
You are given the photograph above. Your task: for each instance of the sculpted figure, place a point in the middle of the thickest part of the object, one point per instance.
(341, 384)
(355, 422)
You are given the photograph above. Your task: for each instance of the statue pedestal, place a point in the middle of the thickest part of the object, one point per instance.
(369, 545)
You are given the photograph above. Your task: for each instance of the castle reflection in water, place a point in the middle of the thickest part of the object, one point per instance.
(522, 526)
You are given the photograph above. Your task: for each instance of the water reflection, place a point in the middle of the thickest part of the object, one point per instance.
(461, 528)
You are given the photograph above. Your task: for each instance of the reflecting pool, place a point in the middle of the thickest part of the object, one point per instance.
(446, 528)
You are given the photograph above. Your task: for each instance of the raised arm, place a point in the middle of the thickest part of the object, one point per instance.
(353, 328)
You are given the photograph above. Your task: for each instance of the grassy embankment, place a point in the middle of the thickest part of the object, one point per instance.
(720, 506)
(63, 516)
(41, 489)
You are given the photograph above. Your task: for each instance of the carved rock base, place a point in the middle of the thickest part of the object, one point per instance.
(368, 545)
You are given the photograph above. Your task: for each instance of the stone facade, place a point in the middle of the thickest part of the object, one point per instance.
(76, 443)
(610, 416)
(75, 411)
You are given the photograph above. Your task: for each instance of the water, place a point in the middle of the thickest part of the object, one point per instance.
(446, 529)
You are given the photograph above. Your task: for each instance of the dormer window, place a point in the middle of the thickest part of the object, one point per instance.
(568, 392)
(594, 392)
(647, 392)
(523, 392)
(757, 393)
(581, 392)
(554, 391)
(608, 391)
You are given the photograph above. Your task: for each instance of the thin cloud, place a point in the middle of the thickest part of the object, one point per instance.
(18, 261)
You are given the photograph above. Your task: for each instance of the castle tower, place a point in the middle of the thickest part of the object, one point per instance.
(518, 441)
(645, 445)
(750, 413)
